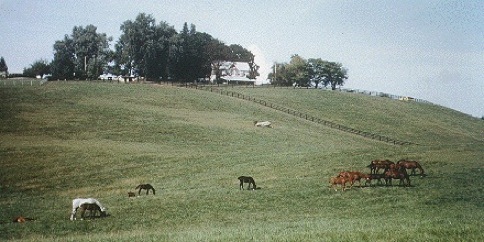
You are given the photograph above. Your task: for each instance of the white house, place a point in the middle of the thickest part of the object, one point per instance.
(233, 73)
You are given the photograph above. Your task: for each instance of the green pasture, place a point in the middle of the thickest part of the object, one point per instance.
(64, 140)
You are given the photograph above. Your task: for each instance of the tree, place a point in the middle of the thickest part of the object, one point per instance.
(83, 54)
(218, 53)
(91, 51)
(38, 68)
(334, 74)
(3, 67)
(316, 70)
(63, 66)
(280, 75)
(297, 71)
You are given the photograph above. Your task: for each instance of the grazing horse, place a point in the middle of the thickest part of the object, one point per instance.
(246, 179)
(371, 177)
(397, 172)
(78, 202)
(93, 210)
(376, 165)
(146, 187)
(411, 165)
(337, 180)
(353, 176)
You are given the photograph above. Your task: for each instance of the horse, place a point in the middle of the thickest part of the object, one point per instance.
(93, 210)
(263, 124)
(397, 172)
(146, 187)
(22, 219)
(338, 180)
(353, 176)
(411, 165)
(376, 165)
(246, 179)
(78, 202)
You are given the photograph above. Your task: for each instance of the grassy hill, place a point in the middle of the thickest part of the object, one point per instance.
(65, 140)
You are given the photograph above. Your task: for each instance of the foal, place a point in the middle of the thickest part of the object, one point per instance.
(246, 179)
(92, 208)
(146, 187)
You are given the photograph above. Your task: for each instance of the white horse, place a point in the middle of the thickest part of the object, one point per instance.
(76, 203)
(263, 124)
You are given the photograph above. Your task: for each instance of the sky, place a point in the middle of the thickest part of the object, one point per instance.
(427, 49)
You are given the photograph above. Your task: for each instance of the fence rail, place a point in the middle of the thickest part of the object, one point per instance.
(22, 82)
(305, 116)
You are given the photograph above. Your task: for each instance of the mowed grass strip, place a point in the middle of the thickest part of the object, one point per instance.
(65, 140)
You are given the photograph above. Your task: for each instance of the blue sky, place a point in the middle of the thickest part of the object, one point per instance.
(433, 50)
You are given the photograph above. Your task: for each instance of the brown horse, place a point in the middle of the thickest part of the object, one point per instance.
(22, 219)
(147, 187)
(411, 165)
(246, 179)
(376, 165)
(93, 210)
(353, 176)
(338, 180)
(397, 172)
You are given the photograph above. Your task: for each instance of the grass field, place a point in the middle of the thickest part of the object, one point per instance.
(64, 140)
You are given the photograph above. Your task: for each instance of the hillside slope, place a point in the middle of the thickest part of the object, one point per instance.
(76, 139)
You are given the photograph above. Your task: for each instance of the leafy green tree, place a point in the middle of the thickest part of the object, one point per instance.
(63, 65)
(38, 68)
(334, 74)
(91, 51)
(138, 45)
(83, 54)
(316, 70)
(280, 75)
(190, 59)
(298, 72)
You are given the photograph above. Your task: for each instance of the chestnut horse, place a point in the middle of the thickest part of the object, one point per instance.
(376, 165)
(411, 165)
(397, 172)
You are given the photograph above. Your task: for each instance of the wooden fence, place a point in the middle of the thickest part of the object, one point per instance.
(303, 115)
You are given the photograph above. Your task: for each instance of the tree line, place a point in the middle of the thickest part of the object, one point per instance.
(145, 48)
(305, 73)
(157, 51)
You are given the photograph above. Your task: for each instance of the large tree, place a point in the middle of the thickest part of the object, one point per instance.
(63, 66)
(280, 76)
(83, 54)
(316, 70)
(334, 74)
(297, 71)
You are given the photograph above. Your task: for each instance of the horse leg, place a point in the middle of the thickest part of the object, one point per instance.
(73, 213)
(139, 191)
(153, 190)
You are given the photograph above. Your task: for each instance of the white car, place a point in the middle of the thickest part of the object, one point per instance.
(108, 76)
